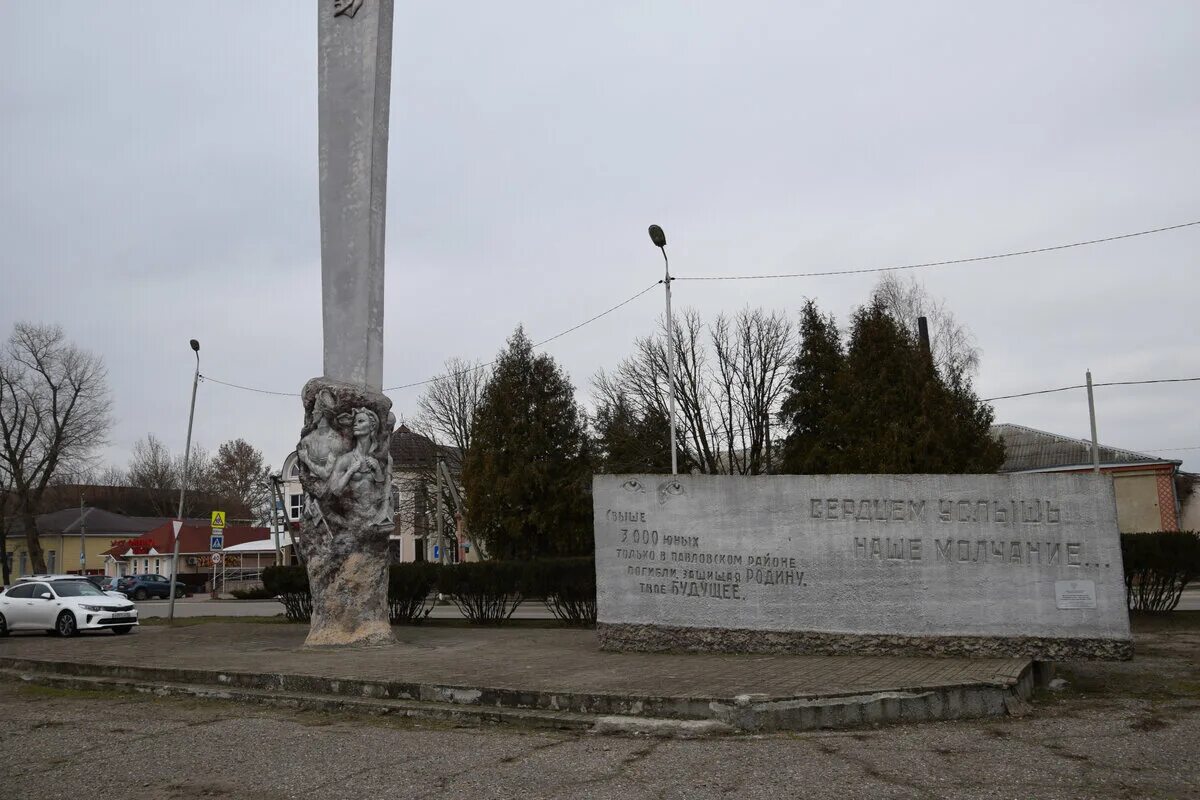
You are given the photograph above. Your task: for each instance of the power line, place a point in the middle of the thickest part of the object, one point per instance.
(475, 368)
(936, 263)
(1111, 383)
(208, 379)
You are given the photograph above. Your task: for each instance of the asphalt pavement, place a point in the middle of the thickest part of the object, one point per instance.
(206, 607)
(58, 745)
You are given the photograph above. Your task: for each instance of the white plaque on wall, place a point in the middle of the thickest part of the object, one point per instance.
(1075, 594)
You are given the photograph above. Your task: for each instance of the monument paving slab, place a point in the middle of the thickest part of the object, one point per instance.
(541, 660)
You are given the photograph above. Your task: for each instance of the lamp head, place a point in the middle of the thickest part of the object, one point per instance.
(657, 236)
(195, 345)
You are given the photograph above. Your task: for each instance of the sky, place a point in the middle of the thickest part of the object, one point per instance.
(159, 183)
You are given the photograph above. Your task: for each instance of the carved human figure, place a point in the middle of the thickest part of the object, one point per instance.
(358, 472)
(321, 445)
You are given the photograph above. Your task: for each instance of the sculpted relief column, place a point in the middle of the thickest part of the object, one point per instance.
(345, 466)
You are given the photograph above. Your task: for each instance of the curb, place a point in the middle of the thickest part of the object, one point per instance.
(675, 717)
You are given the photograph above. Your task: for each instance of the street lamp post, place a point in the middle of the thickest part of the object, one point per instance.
(187, 452)
(660, 241)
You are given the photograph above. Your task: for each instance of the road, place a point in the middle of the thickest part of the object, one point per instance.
(59, 745)
(204, 607)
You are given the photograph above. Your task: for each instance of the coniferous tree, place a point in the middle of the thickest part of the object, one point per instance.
(887, 408)
(527, 472)
(629, 442)
(811, 399)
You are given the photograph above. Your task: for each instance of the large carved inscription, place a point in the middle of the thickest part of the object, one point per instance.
(787, 552)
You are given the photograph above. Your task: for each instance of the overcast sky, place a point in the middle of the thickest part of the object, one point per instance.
(158, 182)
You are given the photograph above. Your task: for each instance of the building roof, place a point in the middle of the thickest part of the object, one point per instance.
(192, 539)
(260, 545)
(99, 522)
(1028, 449)
(411, 450)
(137, 501)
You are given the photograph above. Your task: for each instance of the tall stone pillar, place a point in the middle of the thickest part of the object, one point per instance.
(345, 467)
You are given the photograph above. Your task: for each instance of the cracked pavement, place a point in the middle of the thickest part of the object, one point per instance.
(1123, 730)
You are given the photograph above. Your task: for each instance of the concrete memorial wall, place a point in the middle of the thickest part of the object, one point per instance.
(980, 565)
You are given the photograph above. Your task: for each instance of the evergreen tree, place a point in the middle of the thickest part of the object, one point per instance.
(886, 408)
(627, 441)
(527, 472)
(811, 399)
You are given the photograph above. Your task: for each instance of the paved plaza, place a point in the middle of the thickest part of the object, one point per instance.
(525, 658)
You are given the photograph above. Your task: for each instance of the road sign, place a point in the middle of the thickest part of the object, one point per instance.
(216, 558)
(437, 552)
(216, 542)
(218, 519)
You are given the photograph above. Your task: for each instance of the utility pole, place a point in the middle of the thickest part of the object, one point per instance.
(441, 528)
(82, 532)
(660, 241)
(187, 452)
(1092, 415)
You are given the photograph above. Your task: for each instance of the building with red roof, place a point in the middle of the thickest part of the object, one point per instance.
(150, 553)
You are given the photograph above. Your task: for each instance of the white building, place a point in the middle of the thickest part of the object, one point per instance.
(414, 460)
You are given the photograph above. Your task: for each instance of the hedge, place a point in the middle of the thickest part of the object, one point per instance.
(411, 591)
(485, 592)
(568, 587)
(1158, 566)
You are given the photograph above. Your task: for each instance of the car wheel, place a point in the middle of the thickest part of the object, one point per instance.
(178, 592)
(140, 594)
(66, 624)
(3, 626)
(122, 629)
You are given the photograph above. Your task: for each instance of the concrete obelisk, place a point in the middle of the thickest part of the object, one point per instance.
(345, 466)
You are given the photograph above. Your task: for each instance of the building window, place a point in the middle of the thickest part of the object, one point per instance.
(295, 471)
(24, 564)
(146, 566)
(395, 498)
(50, 561)
(157, 565)
(296, 502)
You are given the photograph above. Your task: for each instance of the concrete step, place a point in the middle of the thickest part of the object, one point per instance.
(443, 712)
(600, 713)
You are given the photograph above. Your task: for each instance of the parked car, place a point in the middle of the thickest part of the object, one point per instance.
(108, 583)
(141, 587)
(64, 607)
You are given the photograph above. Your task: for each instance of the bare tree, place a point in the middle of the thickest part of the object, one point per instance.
(951, 342)
(448, 404)
(729, 380)
(54, 414)
(753, 350)
(152, 469)
(238, 473)
(157, 473)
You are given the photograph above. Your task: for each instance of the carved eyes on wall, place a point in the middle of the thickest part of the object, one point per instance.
(672, 488)
(346, 8)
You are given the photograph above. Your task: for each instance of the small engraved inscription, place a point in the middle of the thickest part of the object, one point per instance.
(1075, 594)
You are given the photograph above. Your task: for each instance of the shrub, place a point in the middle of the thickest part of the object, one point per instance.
(410, 591)
(486, 592)
(256, 593)
(568, 587)
(1158, 566)
(290, 585)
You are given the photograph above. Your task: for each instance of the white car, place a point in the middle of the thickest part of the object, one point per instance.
(64, 607)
